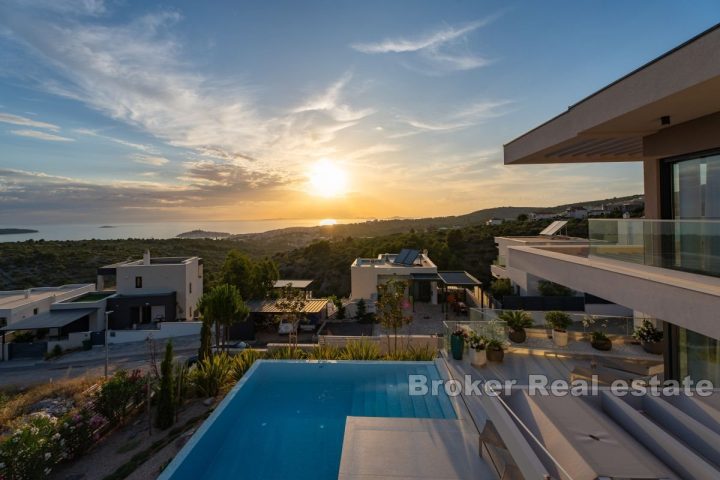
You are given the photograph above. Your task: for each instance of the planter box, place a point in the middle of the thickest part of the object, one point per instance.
(560, 339)
(478, 357)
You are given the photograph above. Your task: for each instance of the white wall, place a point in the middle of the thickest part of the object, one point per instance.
(42, 303)
(166, 330)
(364, 278)
(160, 278)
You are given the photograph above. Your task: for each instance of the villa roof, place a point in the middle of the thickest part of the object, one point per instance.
(613, 124)
(313, 305)
(302, 284)
(51, 319)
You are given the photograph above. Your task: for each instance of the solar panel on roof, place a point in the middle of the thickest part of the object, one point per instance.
(411, 257)
(400, 258)
(554, 227)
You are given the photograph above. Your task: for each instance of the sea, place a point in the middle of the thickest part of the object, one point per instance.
(158, 230)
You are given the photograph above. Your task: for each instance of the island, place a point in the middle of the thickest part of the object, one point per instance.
(15, 231)
(106, 226)
(203, 234)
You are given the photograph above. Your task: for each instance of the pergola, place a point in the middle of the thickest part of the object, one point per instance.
(452, 278)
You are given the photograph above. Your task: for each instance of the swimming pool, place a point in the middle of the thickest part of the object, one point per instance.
(286, 419)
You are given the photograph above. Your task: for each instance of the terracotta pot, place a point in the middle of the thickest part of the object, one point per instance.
(560, 339)
(495, 355)
(457, 345)
(603, 345)
(517, 336)
(656, 348)
(478, 357)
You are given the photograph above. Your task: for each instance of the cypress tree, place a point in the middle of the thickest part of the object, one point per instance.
(166, 401)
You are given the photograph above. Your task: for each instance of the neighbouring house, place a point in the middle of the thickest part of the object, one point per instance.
(578, 213)
(426, 283)
(152, 290)
(666, 116)
(543, 215)
(303, 285)
(152, 297)
(494, 221)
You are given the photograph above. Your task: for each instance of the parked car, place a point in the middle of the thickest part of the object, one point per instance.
(285, 328)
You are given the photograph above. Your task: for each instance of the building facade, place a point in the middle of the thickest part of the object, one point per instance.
(665, 115)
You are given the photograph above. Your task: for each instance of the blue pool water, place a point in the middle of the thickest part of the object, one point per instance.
(286, 420)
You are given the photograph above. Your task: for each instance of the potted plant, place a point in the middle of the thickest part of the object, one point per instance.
(600, 341)
(495, 352)
(457, 343)
(517, 321)
(559, 321)
(649, 337)
(477, 343)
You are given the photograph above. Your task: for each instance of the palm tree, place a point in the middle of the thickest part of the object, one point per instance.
(517, 321)
(223, 306)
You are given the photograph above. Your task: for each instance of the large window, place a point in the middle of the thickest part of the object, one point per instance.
(696, 188)
(698, 356)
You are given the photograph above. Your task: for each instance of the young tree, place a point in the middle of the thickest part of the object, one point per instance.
(392, 305)
(265, 275)
(166, 398)
(360, 310)
(223, 306)
(205, 349)
(292, 302)
(239, 271)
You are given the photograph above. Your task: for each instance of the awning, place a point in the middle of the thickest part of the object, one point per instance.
(425, 277)
(302, 284)
(51, 319)
(270, 306)
(459, 279)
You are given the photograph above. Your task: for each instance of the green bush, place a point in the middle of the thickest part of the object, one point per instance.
(501, 287)
(243, 362)
(361, 350)
(647, 332)
(287, 353)
(166, 398)
(551, 289)
(516, 320)
(31, 450)
(558, 320)
(212, 375)
(117, 395)
(325, 352)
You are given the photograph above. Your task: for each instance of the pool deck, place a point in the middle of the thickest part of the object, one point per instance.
(411, 448)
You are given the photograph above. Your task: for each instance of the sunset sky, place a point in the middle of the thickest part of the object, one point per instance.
(187, 110)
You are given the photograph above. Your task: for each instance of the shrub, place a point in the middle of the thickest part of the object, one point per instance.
(212, 375)
(78, 430)
(326, 352)
(361, 350)
(360, 310)
(558, 320)
(598, 336)
(551, 289)
(31, 450)
(517, 320)
(477, 342)
(413, 354)
(117, 394)
(243, 362)
(647, 332)
(501, 287)
(287, 353)
(166, 398)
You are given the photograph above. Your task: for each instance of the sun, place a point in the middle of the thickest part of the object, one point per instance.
(327, 179)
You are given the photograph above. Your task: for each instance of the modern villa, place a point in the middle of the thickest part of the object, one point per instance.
(665, 114)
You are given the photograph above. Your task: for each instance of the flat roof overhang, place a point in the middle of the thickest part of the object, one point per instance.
(609, 125)
(51, 319)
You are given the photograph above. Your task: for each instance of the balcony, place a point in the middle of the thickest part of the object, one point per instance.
(687, 245)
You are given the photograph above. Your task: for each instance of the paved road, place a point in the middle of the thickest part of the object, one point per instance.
(128, 356)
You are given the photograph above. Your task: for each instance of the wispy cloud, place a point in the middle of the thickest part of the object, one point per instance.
(26, 122)
(153, 160)
(463, 117)
(38, 135)
(446, 48)
(120, 141)
(330, 101)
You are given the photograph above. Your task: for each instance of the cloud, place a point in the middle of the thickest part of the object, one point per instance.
(120, 141)
(38, 135)
(464, 117)
(150, 160)
(330, 101)
(26, 122)
(444, 48)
